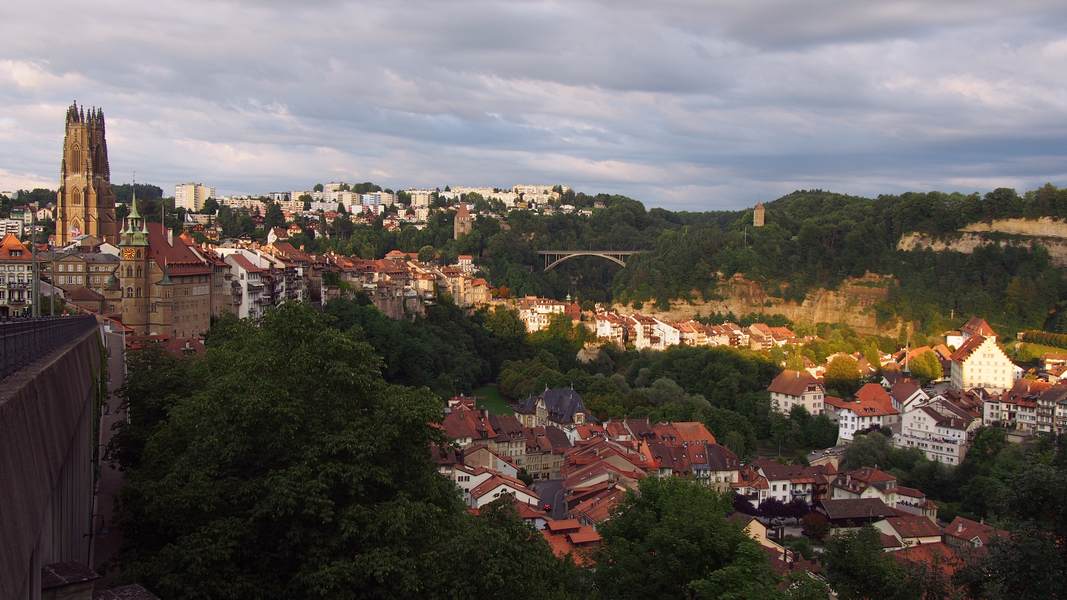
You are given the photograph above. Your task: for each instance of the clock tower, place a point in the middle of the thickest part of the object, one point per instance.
(134, 271)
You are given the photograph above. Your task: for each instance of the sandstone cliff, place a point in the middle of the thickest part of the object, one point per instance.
(852, 303)
(1047, 232)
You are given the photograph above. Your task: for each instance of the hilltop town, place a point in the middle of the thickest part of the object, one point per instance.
(806, 441)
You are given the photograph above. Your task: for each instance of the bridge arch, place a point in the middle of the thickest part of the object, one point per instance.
(553, 258)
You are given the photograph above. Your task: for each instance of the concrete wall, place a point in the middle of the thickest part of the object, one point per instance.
(46, 479)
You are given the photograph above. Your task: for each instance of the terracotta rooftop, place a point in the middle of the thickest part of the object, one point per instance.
(792, 383)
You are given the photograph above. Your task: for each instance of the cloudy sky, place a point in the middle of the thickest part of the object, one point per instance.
(687, 104)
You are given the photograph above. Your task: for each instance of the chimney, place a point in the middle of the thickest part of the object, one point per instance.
(170, 235)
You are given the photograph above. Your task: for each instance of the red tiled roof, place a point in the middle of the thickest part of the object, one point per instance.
(871, 401)
(937, 556)
(979, 326)
(967, 530)
(11, 249)
(246, 264)
(179, 259)
(792, 383)
(563, 525)
(914, 526)
(964, 352)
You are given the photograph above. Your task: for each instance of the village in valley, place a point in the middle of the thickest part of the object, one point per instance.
(566, 466)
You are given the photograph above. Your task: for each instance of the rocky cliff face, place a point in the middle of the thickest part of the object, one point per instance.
(1047, 232)
(852, 304)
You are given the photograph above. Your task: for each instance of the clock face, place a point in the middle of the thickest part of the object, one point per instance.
(129, 254)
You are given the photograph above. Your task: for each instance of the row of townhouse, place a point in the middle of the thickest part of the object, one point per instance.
(941, 426)
(400, 284)
(650, 332)
(537, 313)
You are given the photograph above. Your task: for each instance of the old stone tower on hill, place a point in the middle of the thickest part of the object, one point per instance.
(758, 215)
(85, 203)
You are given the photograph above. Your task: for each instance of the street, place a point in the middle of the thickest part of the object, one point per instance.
(551, 491)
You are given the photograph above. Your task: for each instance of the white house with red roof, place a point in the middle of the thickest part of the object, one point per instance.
(498, 485)
(796, 388)
(872, 408)
(980, 363)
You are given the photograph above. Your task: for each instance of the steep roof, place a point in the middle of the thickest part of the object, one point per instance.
(978, 326)
(967, 530)
(792, 383)
(246, 264)
(871, 401)
(178, 258)
(11, 249)
(967, 349)
(561, 404)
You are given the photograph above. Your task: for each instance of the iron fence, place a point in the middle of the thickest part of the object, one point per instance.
(23, 341)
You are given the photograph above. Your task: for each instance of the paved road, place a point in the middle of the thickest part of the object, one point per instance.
(552, 491)
(107, 538)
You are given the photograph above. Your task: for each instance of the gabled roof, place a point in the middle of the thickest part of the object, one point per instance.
(857, 508)
(792, 383)
(178, 258)
(11, 249)
(967, 530)
(914, 526)
(964, 352)
(978, 326)
(497, 480)
(871, 401)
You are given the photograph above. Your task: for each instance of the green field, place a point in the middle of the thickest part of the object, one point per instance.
(490, 399)
(1026, 351)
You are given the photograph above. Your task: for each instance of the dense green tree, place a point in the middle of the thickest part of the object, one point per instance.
(309, 480)
(858, 569)
(926, 366)
(211, 206)
(273, 216)
(672, 540)
(843, 375)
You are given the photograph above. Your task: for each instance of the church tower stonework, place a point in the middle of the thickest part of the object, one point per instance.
(85, 202)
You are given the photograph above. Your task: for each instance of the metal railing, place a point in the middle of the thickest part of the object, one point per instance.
(23, 341)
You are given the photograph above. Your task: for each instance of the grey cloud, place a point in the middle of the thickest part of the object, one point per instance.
(681, 103)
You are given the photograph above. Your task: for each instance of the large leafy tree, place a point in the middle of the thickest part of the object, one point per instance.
(843, 375)
(293, 470)
(672, 540)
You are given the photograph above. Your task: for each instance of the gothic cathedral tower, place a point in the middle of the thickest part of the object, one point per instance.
(85, 203)
(133, 271)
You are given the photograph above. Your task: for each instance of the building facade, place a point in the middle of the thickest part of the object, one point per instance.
(191, 196)
(16, 277)
(980, 363)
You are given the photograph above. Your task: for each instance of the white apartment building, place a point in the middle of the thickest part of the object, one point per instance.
(652, 333)
(420, 198)
(611, 326)
(536, 313)
(938, 428)
(249, 277)
(191, 196)
(980, 363)
(12, 226)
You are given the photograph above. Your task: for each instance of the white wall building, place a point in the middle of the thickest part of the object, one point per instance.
(980, 363)
(191, 196)
(796, 388)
